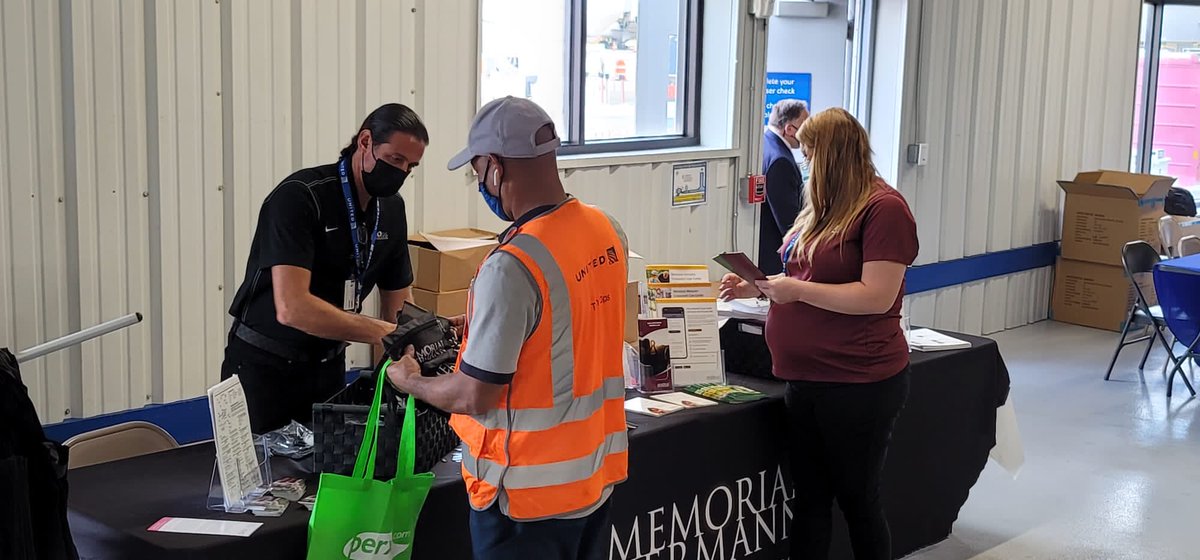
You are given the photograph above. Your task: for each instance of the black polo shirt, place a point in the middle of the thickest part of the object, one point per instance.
(304, 223)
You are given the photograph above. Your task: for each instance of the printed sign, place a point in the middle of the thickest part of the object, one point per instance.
(689, 184)
(785, 85)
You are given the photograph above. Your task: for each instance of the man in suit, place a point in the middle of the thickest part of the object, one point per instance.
(784, 184)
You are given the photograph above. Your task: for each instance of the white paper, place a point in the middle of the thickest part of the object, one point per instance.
(683, 399)
(703, 361)
(650, 407)
(1008, 452)
(237, 461)
(205, 527)
(928, 340)
(679, 291)
(752, 309)
(447, 244)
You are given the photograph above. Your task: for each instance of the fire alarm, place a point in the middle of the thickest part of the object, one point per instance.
(756, 189)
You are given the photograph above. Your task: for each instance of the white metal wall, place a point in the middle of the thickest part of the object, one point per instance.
(35, 296)
(138, 139)
(1010, 95)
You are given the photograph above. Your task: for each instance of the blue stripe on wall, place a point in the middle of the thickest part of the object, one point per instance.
(979, 267)
(188, 420)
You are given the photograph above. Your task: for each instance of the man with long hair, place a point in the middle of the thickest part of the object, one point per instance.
(326, 237)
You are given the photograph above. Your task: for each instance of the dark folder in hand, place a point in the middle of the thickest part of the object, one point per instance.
(741, 265)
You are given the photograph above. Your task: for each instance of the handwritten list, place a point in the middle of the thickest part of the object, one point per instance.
(237, 461)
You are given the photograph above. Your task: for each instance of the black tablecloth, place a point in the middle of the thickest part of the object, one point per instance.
(702, 482)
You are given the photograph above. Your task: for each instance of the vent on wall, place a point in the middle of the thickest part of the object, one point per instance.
(801, 9)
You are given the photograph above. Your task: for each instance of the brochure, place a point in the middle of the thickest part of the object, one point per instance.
(656, 346)
(701, 360)
(641, 405)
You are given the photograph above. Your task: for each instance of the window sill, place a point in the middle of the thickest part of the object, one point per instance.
(641, 157)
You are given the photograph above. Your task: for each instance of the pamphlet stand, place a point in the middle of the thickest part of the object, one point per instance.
(216, 492)
(647, 384)
(724, 377)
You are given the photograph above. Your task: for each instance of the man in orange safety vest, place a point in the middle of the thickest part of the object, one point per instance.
(538, 394)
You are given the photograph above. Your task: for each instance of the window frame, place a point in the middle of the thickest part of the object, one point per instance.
(574, 142)
(860, 59)
(1149, 93)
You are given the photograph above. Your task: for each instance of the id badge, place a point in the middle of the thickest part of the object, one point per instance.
(350, 296)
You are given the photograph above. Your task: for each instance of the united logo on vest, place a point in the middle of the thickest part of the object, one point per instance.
(557, 441)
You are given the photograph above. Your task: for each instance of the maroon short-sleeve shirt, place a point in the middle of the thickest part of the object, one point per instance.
(812, 344)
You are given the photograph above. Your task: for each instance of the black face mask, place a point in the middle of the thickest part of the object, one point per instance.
(385, 180)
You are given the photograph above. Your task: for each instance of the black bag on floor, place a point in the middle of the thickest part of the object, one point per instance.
(33, 477)
(339, 423)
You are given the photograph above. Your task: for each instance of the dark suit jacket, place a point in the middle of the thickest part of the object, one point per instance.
(784, 188)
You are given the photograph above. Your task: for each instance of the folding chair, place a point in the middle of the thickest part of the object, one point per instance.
(1179, 296)
(114, 443)
(1168, 232)
(1189, 246)
(1139, 257)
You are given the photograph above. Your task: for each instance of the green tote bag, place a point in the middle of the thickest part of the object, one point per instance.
(359, 518)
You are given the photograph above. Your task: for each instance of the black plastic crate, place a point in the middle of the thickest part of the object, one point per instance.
(339, 423)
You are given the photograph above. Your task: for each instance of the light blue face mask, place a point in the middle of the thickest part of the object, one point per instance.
(493, 201)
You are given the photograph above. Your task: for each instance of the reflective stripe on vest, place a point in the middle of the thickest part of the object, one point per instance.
(558, 441)
(537, 476)
(538, 419)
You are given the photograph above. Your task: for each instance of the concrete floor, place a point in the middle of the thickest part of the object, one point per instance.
(1112, 469)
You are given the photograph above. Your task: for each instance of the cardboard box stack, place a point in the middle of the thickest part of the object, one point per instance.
(1103, 211)
(444, 264)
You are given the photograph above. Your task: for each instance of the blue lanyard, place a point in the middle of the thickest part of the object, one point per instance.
(791, 245)
(360, 268)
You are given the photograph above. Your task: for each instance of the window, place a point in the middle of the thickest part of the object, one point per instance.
(613, 74)
(860, 45)
(1167, 116)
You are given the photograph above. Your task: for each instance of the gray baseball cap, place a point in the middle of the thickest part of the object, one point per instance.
(506, 127)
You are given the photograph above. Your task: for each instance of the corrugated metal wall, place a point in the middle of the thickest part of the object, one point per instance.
(1010, 95)
(36, 298)
(138, 139)
(639, 196)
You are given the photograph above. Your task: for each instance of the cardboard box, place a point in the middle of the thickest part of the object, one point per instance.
(446, 261)
(446, 304)
(1104, 210)
(1095, 295)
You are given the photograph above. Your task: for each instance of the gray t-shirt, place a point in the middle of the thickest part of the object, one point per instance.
(506, 306)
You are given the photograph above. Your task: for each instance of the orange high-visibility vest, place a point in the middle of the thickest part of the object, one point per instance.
(557, 440)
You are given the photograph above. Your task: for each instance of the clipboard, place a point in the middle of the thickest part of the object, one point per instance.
(741, 265)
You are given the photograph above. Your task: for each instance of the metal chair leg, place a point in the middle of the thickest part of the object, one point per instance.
(1171, 379)
(1178, 366)
(1189, 356)
(1121, 344)
(1149, 346)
